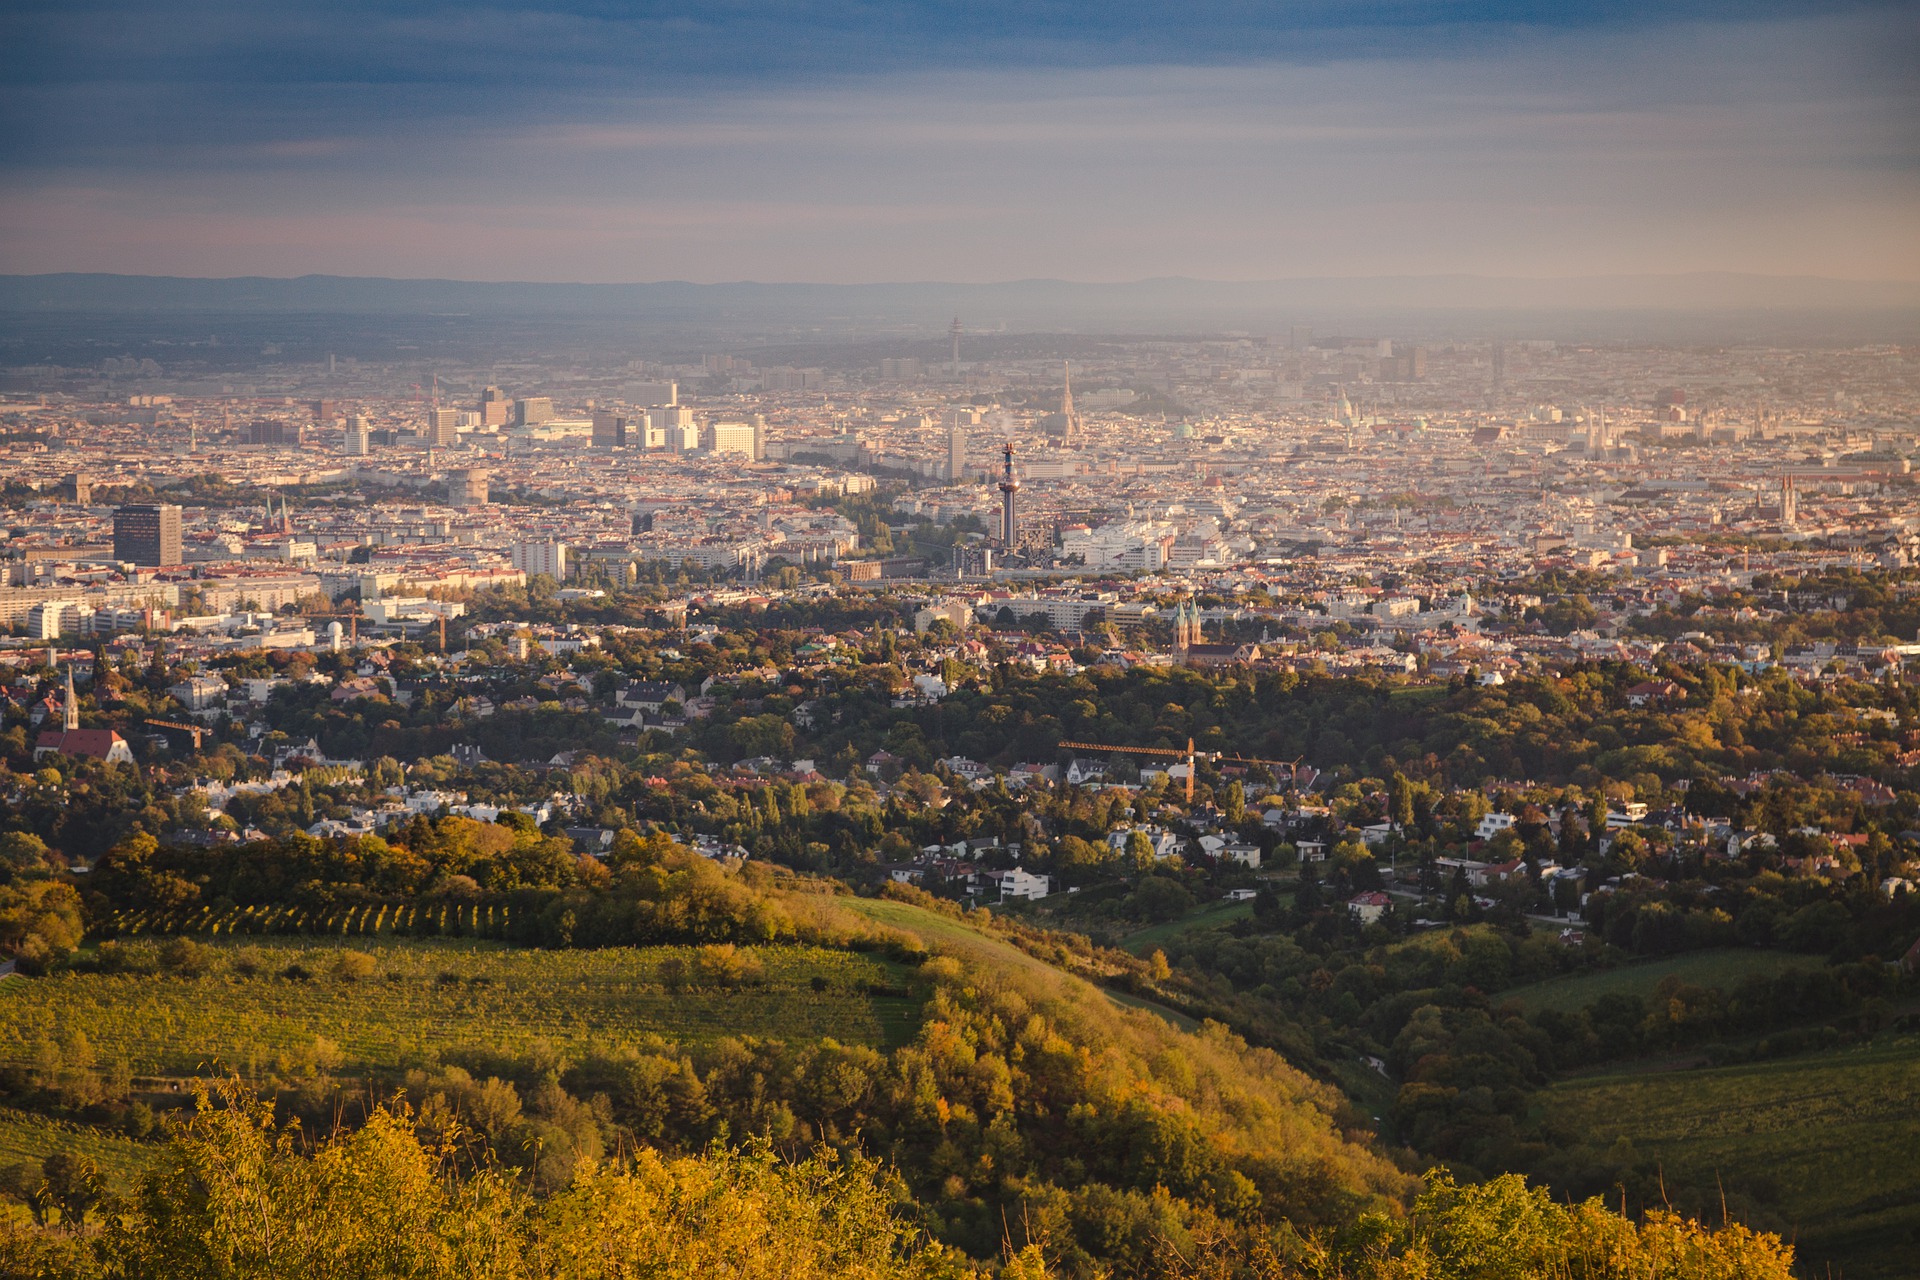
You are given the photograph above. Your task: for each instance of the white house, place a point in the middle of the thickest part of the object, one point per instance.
(1018, 883)
(1164, 843)
(1239, 852)
(1492, 825)
(1367, 908)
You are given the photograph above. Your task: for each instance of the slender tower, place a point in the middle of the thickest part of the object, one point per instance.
(954, 330)
(1069, 421)
(70, 713)
(1009, 490)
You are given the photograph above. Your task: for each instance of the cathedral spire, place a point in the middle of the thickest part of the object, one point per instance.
(71, 710)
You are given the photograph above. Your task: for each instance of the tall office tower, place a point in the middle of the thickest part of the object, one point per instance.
(443, 428)
(494, 407)
(1009, 492)
(955, 331)
(609, 429)
(147, 535)
(467, 487)
(533, 409)
(325, 410)
(759, 423)
(1300, 336)
(549, 558)
(78, 487)
(900, 368)
(356, 442)
(956, 447)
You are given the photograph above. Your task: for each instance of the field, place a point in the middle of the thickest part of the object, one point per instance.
(1829, 1139)
(429, 995)
(1723, 969)
(27, 1138)
(1207, 916)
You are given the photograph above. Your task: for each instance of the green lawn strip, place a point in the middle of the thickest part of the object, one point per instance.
(1828, 1138)
(424, 999)
(1173, 1016)
(1212, 915)
(1724, 969)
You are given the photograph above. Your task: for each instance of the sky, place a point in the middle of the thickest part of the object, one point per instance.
(1096, 140)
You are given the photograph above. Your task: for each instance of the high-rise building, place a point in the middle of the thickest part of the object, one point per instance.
(648, 394)
(266, 431)
(678, 431)
(495, 408)
(731, 437)
(467, 487)
(532, 410)
(956, 446)
(78, 487)
(326, 410)
(356, 441)
(899, 368)
(610, 429)
(443, 428)
(147, 535)
(549, 558)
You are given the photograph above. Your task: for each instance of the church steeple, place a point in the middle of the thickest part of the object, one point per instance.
(71, 709)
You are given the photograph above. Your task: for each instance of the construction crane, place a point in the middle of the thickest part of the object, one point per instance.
(193, 729)
(1144, 751)
(1213, 757)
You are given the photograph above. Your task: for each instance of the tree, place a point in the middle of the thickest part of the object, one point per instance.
(1234, 805)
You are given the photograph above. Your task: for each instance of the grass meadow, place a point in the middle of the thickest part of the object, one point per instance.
(1724, 969)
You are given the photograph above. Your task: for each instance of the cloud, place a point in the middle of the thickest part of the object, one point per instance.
(572, 145)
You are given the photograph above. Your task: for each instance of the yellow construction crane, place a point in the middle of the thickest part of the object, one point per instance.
(193, 729)
(1144, 751)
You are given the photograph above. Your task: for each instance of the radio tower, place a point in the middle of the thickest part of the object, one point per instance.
(954, 330)
(1009, 489)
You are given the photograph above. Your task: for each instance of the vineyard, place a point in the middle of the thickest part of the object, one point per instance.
(284, 1007)
(448, 920)
(1831, 1137)
(26, 1138)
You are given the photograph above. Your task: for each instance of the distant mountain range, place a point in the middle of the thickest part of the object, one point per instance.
(1702, 306)
(1697, 291)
